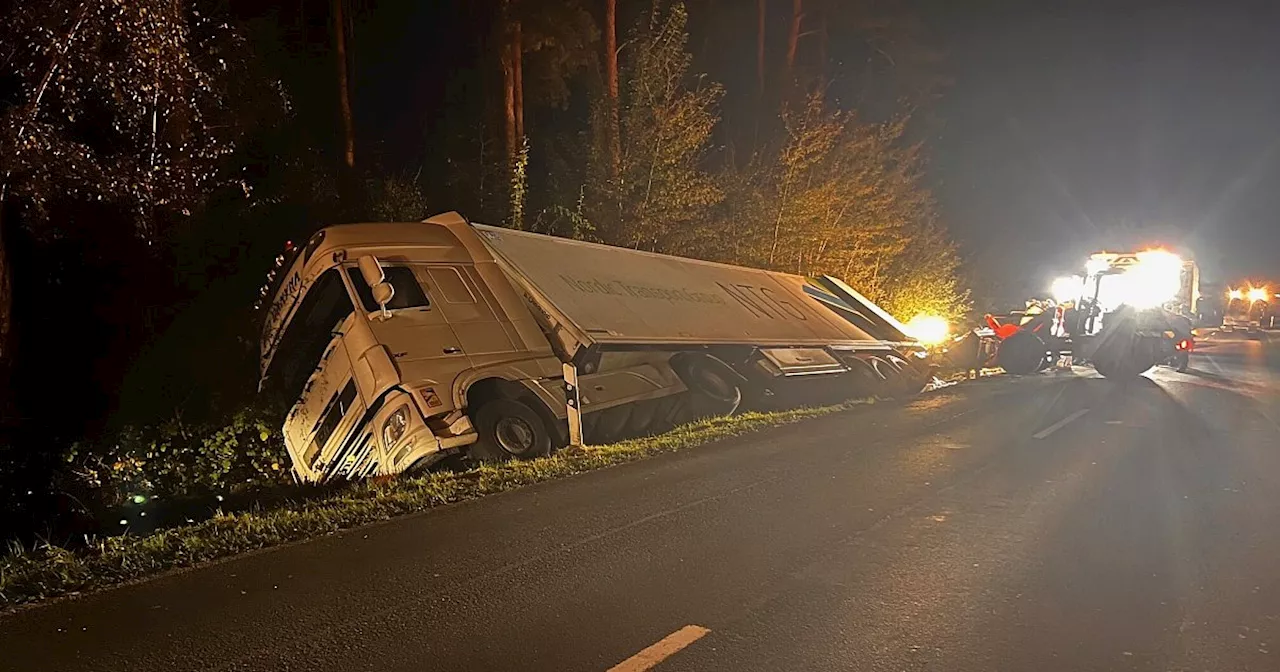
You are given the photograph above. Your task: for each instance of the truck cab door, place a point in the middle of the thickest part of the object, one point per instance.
(421, 342)
(481, 334)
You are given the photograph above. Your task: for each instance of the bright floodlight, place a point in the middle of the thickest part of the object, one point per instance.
(1096, 264)
(1235, 295)
(1066, 288)
(1258, 294)
(1154, 280)
(928, 329)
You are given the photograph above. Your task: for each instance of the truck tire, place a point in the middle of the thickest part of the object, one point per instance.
(914, 377)
(863, 379)
(643, 419)
(509, 429)
(1122, 361)
(668, 412)
(900, 379)
(891, 385)
(1120, 368)
(712, 388)
(1021, 354)
(611, 423)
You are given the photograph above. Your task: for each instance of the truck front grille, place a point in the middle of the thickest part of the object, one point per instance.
(334, 412)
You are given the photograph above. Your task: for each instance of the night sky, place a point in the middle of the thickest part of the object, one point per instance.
(1073, 126)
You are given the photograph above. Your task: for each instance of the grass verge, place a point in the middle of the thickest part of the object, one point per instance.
(30, 575)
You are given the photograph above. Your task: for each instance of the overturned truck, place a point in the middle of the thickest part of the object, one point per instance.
(396, 344)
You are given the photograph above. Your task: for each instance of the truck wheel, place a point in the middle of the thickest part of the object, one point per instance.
(509, 429)
(644, 416)
(712, 391)
(889, 374)
(914, 379)
(897, 374)
(611, 424)
(668, 412)
(1021, 354)
(1119, 368)
(863, 379)
(1122, 361)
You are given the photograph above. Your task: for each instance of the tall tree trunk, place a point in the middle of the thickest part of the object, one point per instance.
(6, 304)
(793, 35)
(517, 58)
(520, 154)
(611, 78)
(822, 43)
(760, 11)
(344, 86)
(509, 103)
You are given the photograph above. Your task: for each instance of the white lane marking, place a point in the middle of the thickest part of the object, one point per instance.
(1059, 424)
(662, 650)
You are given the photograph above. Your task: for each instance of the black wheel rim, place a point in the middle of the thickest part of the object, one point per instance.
(514, 435)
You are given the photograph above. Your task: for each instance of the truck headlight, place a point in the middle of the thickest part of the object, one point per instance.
(393, 428)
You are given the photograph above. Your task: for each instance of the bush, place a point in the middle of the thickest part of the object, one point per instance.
(178, 460)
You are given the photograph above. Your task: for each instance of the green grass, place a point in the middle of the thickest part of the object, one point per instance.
(30, 575)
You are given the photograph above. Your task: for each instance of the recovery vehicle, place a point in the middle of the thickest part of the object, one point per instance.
(1126, 314)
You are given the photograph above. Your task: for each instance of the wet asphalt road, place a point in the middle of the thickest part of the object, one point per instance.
(1058, 522)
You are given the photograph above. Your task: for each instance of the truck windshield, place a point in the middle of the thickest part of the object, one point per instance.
(309, 331)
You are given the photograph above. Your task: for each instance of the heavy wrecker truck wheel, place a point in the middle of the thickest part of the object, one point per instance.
(1021, 354)
(1124, 356)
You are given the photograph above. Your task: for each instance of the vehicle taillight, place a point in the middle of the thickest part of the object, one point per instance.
(1184, 344)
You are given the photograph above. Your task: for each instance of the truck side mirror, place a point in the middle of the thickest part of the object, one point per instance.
(383, 292)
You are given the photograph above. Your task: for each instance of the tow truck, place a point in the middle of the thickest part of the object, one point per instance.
(1127, 313)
